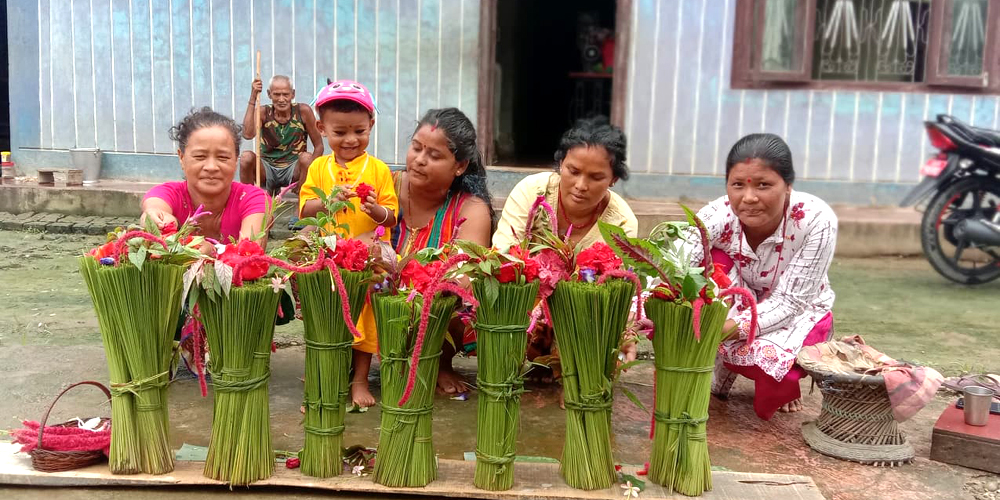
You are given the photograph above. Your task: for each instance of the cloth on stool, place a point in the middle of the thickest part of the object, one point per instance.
(910, 387)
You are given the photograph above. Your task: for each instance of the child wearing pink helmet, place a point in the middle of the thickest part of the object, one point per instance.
(346, 117)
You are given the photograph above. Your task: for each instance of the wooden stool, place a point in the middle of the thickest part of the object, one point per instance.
(856, 421)
(51, 177)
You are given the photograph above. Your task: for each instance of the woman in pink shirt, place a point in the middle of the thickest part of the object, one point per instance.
(208, 147)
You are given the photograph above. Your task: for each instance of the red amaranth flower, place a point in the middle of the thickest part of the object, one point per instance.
(350, 254)
(508, 272)
(551, 270)
(599, 257)
(720, 277)
(417, 276)
(363, 191)
(168, 229)
(105, 250)
(531, 270)
(236, 254)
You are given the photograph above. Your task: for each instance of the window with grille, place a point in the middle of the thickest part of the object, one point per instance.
(906, 44)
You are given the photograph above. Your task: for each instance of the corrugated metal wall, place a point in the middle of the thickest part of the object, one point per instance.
(116, 74)
(682, 116)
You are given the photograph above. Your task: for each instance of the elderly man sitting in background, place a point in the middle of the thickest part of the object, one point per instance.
(285, 126)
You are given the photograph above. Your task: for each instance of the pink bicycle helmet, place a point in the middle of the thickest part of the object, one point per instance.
(347, 90)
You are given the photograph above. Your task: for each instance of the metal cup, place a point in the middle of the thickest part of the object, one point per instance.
(977, 405)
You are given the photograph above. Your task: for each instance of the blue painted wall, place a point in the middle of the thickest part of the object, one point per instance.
(116, 74)
(682, 116)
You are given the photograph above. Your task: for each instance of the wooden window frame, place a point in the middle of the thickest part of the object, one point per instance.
(806, 16)
(940, 18)
(745, 75)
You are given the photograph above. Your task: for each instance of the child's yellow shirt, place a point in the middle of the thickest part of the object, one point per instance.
(325, 173)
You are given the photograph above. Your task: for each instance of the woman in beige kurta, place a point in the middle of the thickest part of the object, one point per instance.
(590, 159)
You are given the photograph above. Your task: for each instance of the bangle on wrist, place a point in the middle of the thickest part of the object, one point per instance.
(386, 216)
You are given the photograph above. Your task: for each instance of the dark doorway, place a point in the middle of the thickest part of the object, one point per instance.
(4, 81)
(553, 65)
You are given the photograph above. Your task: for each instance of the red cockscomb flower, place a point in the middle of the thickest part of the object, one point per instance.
(351, 254)
(234, 254)
(599, 257)
(363, 190)
(720, 277)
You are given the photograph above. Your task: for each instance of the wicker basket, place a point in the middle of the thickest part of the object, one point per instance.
(58, 461)
(856, 421)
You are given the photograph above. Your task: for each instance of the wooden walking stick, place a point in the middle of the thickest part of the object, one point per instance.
(256, 118)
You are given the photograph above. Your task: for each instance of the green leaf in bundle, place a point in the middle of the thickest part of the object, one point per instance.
(150, 226)
(491, 289)
(137, 257)
(223, 276)
(633, 398)
(689, 288)
(319, 194)
(309, 221)
(475, 250)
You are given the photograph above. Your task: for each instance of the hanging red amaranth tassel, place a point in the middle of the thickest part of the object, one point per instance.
(253, 259)
(193, 327)
(345, 307)
(425, 314)
(696, 316)
(747, 299)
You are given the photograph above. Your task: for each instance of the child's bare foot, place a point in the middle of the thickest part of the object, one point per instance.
(792, 407)
(450, 382)
(361, 396)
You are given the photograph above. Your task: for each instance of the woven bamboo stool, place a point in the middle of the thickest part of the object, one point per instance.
(856, 421)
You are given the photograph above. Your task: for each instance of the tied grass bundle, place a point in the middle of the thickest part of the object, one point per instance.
(589, 320)
(501, 341)
(137, 311)
(328, 362)
(684, 367)
(239, 328)
(405, 456)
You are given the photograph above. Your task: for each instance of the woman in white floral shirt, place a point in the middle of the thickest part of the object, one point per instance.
(778, 243)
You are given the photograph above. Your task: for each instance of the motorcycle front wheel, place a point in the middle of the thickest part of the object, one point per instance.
(961, 261)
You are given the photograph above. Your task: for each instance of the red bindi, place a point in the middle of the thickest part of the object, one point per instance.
(749, 180)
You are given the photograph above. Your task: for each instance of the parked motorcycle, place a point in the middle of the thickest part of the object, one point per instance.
(960, 229)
